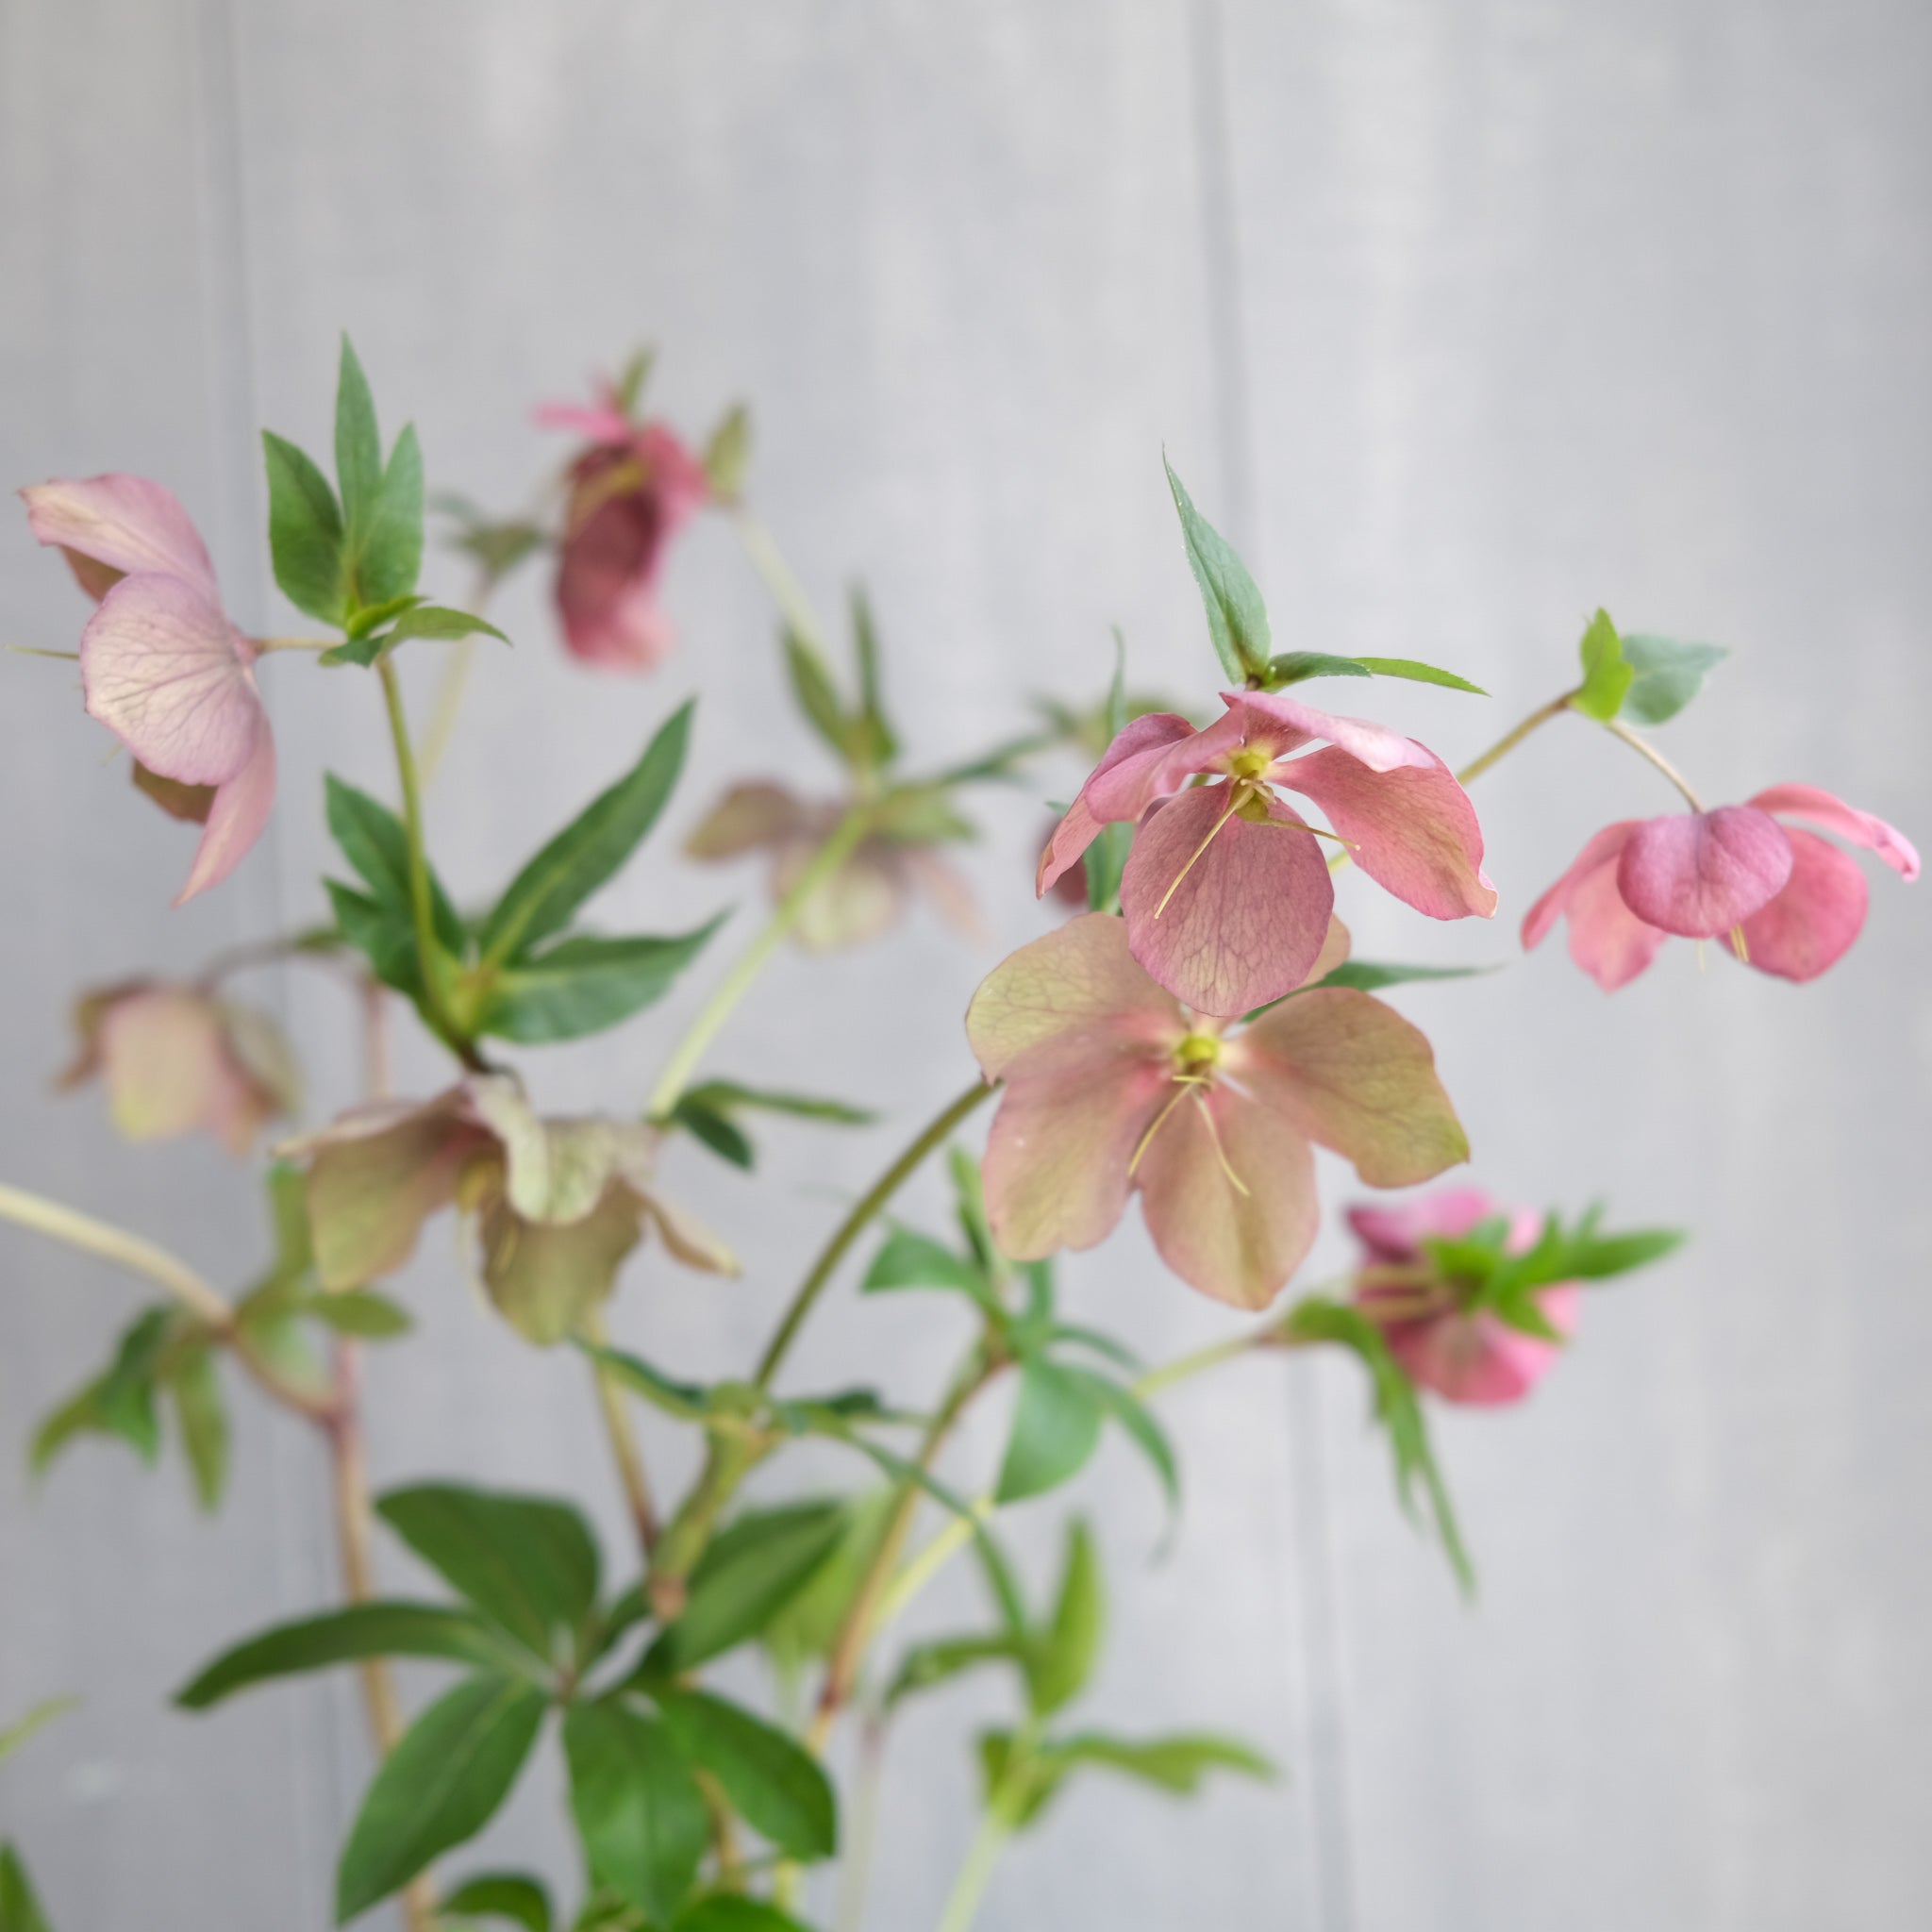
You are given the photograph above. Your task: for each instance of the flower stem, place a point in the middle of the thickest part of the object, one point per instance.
(752, 961)
(625, 1450)
(1158, 1381)
(962, 1904)
(787, 593)
(115, 1244)
(1645, 750)
(1508, 743)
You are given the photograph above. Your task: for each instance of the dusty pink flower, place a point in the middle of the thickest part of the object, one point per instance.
(161, 664)
(1796, 902)
(177, 1058)
(630, 493)
(1112, 1086)
(558, 1204)
(865, 896)
(1464, 1357)
(1228, 894)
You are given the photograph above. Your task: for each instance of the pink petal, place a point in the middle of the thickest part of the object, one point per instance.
(1268, 719)
(1412, 829)
(164, 1058)
(1603, 846)
(1354, 1074)
(1077, 982)
(1250, 916)
(1848, 822)
(1478, 1359)
(126, 522)
(1134, 753)
(1394, 1235)
(240, 810)
(1239, 1245)
(1698, 874)
(1809, 925)
(1607, 938)
(595, 421)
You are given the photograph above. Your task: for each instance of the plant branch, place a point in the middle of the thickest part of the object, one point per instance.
(1617, 729)
(787, 593)
(982, 1856)
(625, 1450)
(1511, 739)
(115, 1244)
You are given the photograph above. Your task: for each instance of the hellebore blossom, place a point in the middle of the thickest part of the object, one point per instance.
(1793, 902)
(1228, 894)
(161, 664)
(1112, 1085)
(559, 1203)
(630, 493)
(1473, 1356)
(868, 893)
(175, 1059)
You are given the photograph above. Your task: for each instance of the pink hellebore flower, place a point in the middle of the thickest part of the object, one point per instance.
(1111, 1085)
(630, 493)
(176, 1059)
(864, 897)
(559, 1203)
(161, 664)
(1795, 903)
(1228, 894)
(1464, 1357)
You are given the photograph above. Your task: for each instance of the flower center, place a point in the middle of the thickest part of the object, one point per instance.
(1248, 764)
(1195, 1054)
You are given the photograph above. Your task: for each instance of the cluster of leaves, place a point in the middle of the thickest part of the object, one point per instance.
(519, 971)
(1639, 676)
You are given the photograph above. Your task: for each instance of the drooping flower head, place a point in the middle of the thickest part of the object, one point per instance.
(178, 1058)
(1463, 1354)
(1228, 894)
(1793, 902)
(558, 1204)
(1111, 1086)
(868, 894)
(631, 490)
(161, 664)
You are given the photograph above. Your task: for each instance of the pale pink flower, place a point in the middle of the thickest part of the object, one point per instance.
(161, 664)
(558, 1204)
(1463, 1356)
(178, 1058)
(1111, 1086)
(631, 492)
(1228, 894)
(1796, 902)
(867, 895)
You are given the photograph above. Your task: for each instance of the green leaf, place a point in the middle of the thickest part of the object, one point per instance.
(372, 617)
(915, 1260)
(1105, 863)
(384, 936)
(1236, 617)
(19, 1910)
(202, 1417)
(1064, 1659)
(524, 1561)
(775, 1785)
(1137, 1425)
(807, 1626)
(382, 507)
(441, 1785)
(374, 840)
(925, 1666)
(120, 1400)
(358, 444)
(725, 1911)
(715, 1129)
(1666, 676)
(304, 531)
(24, 1728)
(818, 698)
(687, 1401)
(1606, 675)
(1294, 667)
(969, 1204)
(588, 851)
(584, 985)
(1055, 1429)
(752, 1568)
(1418, 674)
(512, 1896)
(727, 454)
(442, 625)
(1370, 975)
(874, 742)
(726, 1095)
(360, 1312)
(636, 1806)
(1175, 1763)
(385, 1629)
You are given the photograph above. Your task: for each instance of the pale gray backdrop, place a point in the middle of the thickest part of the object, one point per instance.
(1461, 319)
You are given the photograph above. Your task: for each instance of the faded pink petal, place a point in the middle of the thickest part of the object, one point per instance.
(1412, 829)
(865, 897)
(1480, 1359)
(748, 817)
(126, 522)
(1116, 790)
(1809, 926)
(1607, 938)
(236, 817)
(1848, 822)
(1394, 1234)
(1283, 725)
(1354, 1074)
(1247, 920)
(1699, 873)
(1231, 1206)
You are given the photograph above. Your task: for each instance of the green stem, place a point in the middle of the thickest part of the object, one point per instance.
(1156, 1381)
(1657, 757)
(787, 593)
(422, 911)
(858, 1219)
(752, 961)
(1508, 743)
(982, 1856)
(624, 1449)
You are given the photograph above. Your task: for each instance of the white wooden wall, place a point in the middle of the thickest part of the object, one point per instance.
(1462, 319)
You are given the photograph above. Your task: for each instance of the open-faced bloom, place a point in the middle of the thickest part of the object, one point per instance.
(1464, 1355)
(865, 896)
(1112, 1085)
(558, 1204)
(160, 665)
(1791, 903)
(176, 1059)
(631, 492)
(1228, 894)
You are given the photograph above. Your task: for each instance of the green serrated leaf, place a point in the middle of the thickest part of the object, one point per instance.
(874, 741)
(583, 985)
(1175, 1763)
(1417, 672)
(818, 697)
(638, 1809)
(925, 1666)
(119, 1402)
(714, 1128)
(1236, 617)
(687, 1401)
(1606, 675)
(1665, 675)
(1055, 1429)
(915, 1260)
(304, 531)
(1064, 1659)
(776, 1785)
(727, 1095)
(512, 1896)
(1294, 667)
(373, 842)
(202, 1416)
